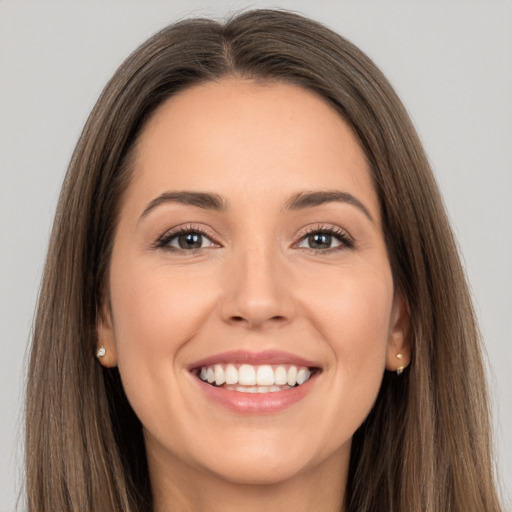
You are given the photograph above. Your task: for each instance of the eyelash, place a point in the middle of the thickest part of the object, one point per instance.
(346, 241)
(164, 241)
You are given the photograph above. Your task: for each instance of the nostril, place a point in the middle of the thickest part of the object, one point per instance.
(252, 322)
(238, 319)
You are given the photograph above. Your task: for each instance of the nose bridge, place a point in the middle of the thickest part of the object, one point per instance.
(257, 290)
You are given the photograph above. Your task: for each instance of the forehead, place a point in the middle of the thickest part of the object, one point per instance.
(234, 136)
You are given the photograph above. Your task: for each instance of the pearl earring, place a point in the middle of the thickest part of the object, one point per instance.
(400, 369)
(101, 352)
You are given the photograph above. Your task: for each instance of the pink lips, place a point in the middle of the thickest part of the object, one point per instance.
(256, 403)
(255, 358)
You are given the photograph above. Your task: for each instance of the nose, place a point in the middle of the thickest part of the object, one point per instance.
(257, 291)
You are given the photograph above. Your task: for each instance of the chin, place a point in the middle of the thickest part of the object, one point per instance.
(264, 470)
(271, 459)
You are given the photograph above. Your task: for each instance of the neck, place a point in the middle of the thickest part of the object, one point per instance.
(178, 487)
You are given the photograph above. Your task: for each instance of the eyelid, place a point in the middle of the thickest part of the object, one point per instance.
(163, 241)
(346, 240)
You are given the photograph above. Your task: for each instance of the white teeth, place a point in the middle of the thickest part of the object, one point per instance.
(253, 389)
(219, 375)
(292, 376)
(303, 376)
(280, 376)
(231, 374)
(247, 375)
(256, 389)
(254, 379)
(265, 376)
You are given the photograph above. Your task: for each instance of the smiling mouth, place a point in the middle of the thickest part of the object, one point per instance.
(247, 378)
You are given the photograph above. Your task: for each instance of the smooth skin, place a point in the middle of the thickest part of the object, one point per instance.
(258, 275)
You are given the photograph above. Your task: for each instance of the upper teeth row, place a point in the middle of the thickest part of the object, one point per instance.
(249, 375)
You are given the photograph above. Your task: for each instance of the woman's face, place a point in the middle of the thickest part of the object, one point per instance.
(250, 253)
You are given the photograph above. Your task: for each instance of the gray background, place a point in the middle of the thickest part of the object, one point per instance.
(451, 63)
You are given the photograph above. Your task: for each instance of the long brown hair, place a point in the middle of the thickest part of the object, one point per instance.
(425, 445)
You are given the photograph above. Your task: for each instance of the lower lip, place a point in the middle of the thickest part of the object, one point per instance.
(256, 403)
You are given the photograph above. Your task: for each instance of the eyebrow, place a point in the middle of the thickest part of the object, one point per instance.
(300, 201)
(305, 200)
(200, 199)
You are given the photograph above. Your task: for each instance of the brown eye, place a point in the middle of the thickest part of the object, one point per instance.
(186, 240)
(320, 241)
(326, 239)
(190, 241)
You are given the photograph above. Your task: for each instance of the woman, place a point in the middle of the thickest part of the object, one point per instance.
(252, 296)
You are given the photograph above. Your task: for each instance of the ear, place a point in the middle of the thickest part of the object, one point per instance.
(398, 352)
(106, 337)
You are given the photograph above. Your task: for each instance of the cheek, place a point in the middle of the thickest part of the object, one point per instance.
(352, 312)
(153, 308)
(360, 328)
(351, 302)
(156, 312)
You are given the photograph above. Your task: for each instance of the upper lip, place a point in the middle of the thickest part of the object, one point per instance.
(254, 358)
